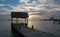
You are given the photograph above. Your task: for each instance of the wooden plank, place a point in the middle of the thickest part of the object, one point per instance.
(28, 32)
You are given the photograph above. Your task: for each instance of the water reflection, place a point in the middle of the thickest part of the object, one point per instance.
(45, 26)
(5, 29)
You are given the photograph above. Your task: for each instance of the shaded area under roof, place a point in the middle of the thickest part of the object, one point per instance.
(19, 15)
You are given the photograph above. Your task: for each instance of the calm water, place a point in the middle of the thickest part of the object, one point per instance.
(46, 26)
(5, 29)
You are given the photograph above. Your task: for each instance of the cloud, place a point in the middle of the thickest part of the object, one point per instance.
(46, 1)
(47, 6)
(43, 1)
(17, 8)
(40, 5)
(2, 4)
(4, 7)
(4, 13)
(32, 3)
(24, 1)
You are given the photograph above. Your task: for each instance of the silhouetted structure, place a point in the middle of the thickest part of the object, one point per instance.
(32, 27)
(25, 31)
(17, 15)
(56, 20)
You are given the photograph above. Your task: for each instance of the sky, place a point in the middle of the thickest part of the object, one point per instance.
(44, 8)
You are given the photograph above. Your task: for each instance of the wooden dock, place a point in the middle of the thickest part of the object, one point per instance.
(28, 32)
(21, 29)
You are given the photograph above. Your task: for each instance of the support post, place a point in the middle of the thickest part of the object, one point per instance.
(11, 20)
(32, 27)
(27, 22)
(16, 20)
(54, 21)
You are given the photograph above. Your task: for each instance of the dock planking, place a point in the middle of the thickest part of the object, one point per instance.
(28, 32)
(22, 28)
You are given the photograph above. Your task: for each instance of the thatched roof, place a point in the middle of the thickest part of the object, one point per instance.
(19, 15)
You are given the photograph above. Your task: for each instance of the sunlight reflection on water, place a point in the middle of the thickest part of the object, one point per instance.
(46, 26)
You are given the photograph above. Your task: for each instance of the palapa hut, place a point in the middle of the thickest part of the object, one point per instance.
(22, 15)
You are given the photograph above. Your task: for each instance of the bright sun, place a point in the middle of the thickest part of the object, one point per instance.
(29, 13)
(35, 17)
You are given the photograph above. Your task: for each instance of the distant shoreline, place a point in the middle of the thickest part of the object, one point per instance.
(28, 20)
(31, 20)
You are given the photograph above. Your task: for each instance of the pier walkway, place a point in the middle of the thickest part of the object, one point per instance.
(28, 32)
(22, 28)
